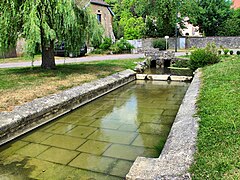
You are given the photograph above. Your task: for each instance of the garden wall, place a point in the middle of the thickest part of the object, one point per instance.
(142, 45)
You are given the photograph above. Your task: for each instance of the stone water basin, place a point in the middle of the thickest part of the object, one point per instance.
(101, 139)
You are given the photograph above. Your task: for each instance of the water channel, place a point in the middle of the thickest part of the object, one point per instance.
(101, 139)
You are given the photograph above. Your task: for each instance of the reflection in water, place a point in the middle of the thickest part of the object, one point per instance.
(100, 140)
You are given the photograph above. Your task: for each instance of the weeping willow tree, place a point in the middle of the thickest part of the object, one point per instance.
(43, 22)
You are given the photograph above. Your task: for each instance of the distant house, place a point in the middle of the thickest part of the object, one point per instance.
(189, 29)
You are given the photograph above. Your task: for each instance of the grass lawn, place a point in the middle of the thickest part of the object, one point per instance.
(20, 85)
(218, 144)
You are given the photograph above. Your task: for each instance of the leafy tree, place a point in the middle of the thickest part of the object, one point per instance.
(133, 27)
(231, 26)
(211, 14)
(42, 22)
(158, 17)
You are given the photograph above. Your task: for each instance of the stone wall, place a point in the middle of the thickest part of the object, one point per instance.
(141, 45)
(40, 111)
(228, 42)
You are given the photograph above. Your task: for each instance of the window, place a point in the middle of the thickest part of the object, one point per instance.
(99, 18)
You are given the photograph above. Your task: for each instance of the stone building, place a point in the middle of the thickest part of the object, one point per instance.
(104, 15)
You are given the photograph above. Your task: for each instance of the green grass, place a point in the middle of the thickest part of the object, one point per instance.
(19, 59)
(21, 77)
(21, 85)
(218, 143)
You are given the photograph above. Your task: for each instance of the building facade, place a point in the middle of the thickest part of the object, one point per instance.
(104, 15)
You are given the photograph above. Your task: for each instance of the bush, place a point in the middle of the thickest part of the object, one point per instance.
(159, 43)
(107, 42)
(97, 51)
(226, 51)
(121, 46)
(202, 57)
(219, 52)
(238, 52)
(231, 52)
(181, 64)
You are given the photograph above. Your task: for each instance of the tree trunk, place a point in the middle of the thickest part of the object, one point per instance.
(48, 60)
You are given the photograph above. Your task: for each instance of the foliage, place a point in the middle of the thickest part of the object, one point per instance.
(159, 43)
(134, 28)
(43, 22)
(143, 18)
(181, 64)
(9, 25)
(231, 26)
(226, 51)
(218, 144)
(238, 52)
(98, 51)
(231, 52)
(121, 46)
(212, 14)
(219, 52)
(94, 32)
(203, 57)
(107, 42)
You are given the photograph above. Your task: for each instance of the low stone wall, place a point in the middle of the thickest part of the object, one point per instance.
(177, 154)
(40, 111)
(227, 42)
(142, 45)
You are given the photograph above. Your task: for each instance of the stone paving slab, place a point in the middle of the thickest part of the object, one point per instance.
(93, 163)
(94, 147)
(63, 141)
(58, 155)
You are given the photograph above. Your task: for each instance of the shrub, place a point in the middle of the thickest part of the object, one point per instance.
(107, 42)
(202, 57)
(219, 52)
(181, 64)
(231, 52)
(97, 51)
(238, 52)
(226, 51)
(121, 46)
(159, 43)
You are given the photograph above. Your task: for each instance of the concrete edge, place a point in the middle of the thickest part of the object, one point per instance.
(178, 152)
(33, 114)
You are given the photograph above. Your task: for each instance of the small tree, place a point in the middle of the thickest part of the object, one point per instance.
(42, 22)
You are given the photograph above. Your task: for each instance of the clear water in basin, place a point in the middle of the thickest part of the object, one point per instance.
(101, 139)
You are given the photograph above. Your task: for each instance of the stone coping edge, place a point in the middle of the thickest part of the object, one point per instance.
(33, 114)
(178, 152)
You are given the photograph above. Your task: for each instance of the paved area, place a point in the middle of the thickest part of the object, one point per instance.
(80, 59)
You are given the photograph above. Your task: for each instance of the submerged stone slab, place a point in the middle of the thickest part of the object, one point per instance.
(141, 76)
(156, 77)
(42, 110)
(180, 78)
(177, 154)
